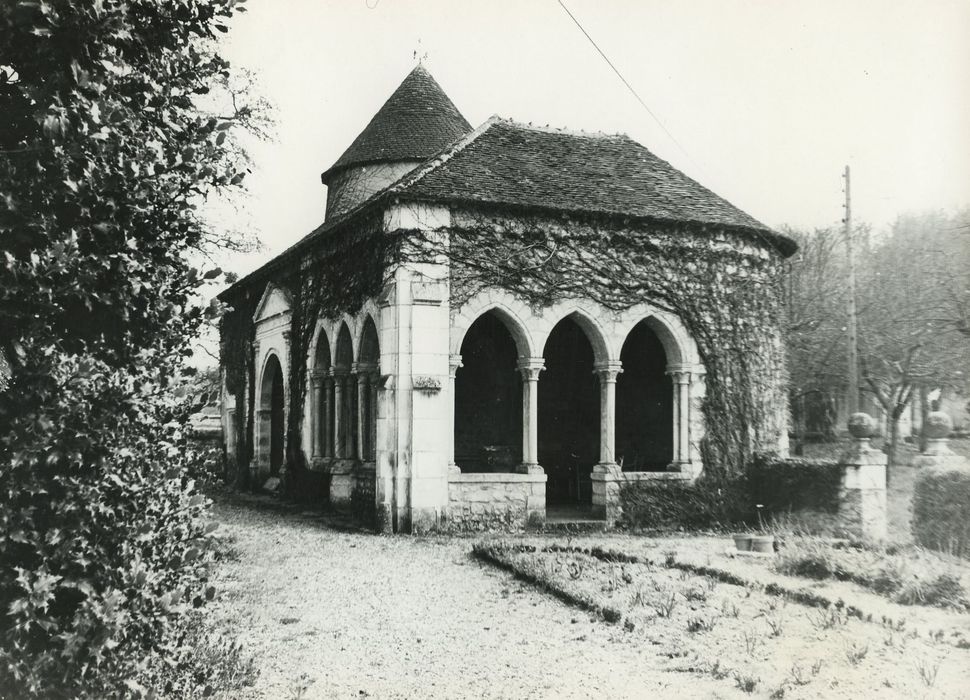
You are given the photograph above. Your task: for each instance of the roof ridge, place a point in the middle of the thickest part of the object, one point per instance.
(442, 157)
(564, 131)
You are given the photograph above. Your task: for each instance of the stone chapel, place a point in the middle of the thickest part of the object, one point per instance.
(421, 411)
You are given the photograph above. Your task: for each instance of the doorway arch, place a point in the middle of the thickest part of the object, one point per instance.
(569, 414)
(644, 403)
(488, 399)
(272, 402)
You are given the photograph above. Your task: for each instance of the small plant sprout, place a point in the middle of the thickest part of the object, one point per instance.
(666, 604)
(798, 676)
(751, 643)
(700, 623)
(711, 583)
(745, 682)
(928, 669)
(684, 575)
(817, 667)
(829, 618)
(856, 652)
(695, 594)
(729, 608)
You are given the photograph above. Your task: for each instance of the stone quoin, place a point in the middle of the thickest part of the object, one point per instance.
(436, 405)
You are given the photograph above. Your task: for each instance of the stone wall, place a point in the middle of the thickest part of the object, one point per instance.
(495, 501)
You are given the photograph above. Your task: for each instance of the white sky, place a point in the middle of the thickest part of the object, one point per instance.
(769, 99)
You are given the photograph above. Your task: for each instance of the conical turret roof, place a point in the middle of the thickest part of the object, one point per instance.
(416, 122)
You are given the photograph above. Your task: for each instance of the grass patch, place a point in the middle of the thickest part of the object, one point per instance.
(908, 576)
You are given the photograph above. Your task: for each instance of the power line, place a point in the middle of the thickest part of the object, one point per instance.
(625, 81)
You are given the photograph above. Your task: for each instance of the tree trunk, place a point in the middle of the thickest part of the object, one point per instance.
(924, 410)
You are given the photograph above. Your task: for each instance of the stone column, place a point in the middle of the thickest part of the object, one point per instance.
(530, 367)
(326, 431)
(339, 380)
(372, 415)
(363, 373)
(862, 496)
(937, 428)
(454, 362)
(607, 373)
(316, 385)
(681, 378)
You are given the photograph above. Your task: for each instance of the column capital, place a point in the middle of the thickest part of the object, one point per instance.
(363, 367)
(336, 372)
(530, 367)
(454, 362)
(608, 371)
(680, 373)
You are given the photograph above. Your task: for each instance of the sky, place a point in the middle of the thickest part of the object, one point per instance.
(763, 101)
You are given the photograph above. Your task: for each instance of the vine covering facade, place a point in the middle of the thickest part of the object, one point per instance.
(524, 347)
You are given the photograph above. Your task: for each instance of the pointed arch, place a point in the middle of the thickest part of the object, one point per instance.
(591, 327)
(488, 397)
(368, 372)
(270, 416)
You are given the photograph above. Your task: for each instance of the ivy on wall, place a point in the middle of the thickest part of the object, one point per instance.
(722, 284)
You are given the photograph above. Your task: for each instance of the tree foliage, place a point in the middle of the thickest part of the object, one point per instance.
(913, 302)
(106, 156)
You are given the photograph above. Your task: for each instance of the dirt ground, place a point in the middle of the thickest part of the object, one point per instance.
(330, 614)
(335, 613)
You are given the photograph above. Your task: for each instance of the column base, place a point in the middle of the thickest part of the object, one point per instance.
(677, 467)
(611, 468)
(454, 468)
(530, 468)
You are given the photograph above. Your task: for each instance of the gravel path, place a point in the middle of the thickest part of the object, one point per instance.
(332, 614)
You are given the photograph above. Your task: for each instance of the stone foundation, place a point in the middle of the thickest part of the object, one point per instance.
(607, 485)
(495, 501)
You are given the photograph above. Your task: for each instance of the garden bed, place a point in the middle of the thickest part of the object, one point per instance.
(753, 641)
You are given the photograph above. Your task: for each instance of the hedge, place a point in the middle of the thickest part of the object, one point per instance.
(941, 510)
(780, 484)
(707, 503)
(786, 484)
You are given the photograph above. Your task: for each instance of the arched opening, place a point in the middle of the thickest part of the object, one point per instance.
(344, 395)
(569, 418)
(488, 399)
(644, 404)
(322, 447)
(271, 425)
(368, 364)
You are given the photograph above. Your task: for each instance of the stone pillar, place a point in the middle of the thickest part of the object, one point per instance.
(454, 362)
(364, 409)
(375, 379)
(326, 432)
(316, 406)
(681, 379)
(862, 496)
(339, 380)
(607, 373)
(530, 367)
(938, 453)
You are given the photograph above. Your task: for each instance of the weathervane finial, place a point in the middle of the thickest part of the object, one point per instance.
(420, 55)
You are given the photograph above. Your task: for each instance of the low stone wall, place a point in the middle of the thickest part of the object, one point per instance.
(495, 501)
(607, 486)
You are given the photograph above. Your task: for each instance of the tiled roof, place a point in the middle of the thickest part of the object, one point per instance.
(514, 164)
(416, 122)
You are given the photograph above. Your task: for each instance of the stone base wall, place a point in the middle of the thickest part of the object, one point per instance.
(495, 501)
(607, 485)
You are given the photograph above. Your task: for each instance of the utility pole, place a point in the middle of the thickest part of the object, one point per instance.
(853, 323)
